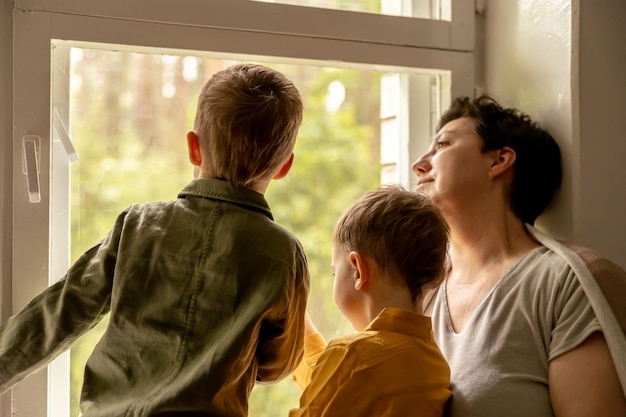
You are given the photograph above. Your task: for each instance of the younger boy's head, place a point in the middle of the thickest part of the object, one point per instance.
(246, 123)
(401, 231)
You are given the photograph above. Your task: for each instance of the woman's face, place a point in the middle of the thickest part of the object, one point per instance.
(454, 171)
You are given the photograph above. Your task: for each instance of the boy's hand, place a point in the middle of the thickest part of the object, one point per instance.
(309, 326)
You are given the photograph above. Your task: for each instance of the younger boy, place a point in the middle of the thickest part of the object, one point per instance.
(206, 293)
(387, 248)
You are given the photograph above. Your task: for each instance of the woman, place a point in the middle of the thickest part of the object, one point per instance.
(513, 316)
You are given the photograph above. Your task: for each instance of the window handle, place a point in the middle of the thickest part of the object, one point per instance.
(61, 133)
(31, 147)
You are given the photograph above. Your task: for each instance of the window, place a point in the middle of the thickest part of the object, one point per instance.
(429, 9)
(410, 69)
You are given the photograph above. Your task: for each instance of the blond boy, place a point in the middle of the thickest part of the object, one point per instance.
(206, 293)
(387, 248)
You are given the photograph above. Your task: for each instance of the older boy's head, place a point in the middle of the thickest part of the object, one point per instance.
(247, 120)
(402, 231)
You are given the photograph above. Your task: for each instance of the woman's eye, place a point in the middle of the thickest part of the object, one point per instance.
(440, 144)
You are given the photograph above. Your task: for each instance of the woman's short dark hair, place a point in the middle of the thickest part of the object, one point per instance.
(537, 171)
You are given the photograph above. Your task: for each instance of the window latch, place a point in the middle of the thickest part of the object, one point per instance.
(31, 149)
(60, 133)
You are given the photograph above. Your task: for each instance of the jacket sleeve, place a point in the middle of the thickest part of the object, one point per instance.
(54, 319)
(280, 348)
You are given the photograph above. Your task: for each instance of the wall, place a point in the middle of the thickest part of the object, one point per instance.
(532, 62)
(601, 102)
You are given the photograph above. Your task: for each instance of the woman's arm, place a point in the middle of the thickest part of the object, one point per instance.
(584, 383)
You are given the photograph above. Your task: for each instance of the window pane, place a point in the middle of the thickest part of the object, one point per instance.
(129, 114)
(425, 9)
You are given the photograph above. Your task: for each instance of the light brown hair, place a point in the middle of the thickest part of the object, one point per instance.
(402, 231)
(247, 121)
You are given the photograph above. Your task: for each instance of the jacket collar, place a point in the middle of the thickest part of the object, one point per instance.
(215, 189)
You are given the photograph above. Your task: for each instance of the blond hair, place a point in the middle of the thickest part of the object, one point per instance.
(247, 121)
(402, 231)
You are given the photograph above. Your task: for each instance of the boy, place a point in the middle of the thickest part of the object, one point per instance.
(206, 293)
(387, 249)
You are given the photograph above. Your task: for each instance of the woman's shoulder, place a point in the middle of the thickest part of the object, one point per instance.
(604, 281)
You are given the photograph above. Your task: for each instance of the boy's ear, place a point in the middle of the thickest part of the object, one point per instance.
(503, 161)
(284, 170)
(361, 270)
(193, 146)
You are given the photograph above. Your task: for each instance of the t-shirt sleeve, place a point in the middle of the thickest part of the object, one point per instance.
(574, 319)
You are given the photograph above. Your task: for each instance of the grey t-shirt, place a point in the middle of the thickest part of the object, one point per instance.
(499, 360)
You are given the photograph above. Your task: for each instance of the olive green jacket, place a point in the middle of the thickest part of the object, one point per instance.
(206, 295)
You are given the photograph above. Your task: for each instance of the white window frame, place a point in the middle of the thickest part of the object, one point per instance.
(222, 26)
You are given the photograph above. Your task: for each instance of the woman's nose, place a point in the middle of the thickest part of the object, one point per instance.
(421, 165)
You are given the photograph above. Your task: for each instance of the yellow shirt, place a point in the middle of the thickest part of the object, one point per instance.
(392, 368)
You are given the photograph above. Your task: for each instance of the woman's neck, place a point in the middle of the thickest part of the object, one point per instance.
(488, 242)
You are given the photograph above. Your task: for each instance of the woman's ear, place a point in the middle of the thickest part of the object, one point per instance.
(193, 146)
(361, 270)
(504, 159)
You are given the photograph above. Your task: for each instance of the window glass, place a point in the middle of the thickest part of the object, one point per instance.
(130, 112)
(425, 9)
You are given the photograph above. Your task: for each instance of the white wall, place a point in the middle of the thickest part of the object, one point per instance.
(563, 63)
(601, 58)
